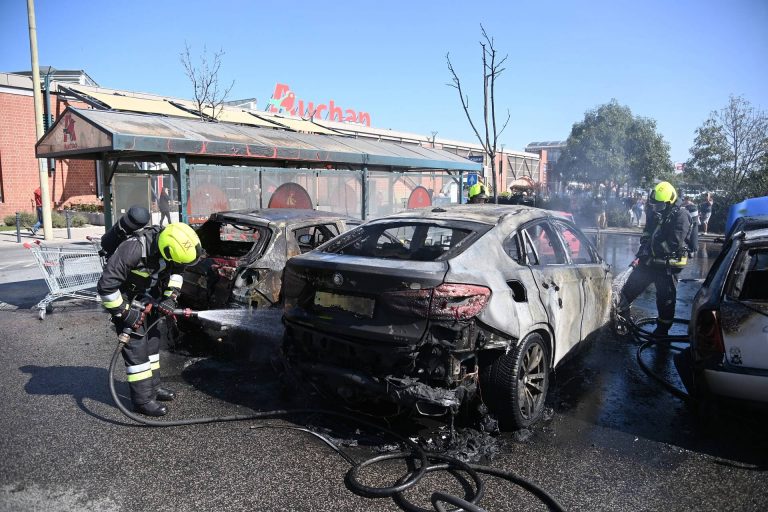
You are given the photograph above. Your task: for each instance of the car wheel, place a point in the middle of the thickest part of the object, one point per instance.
(517, 383)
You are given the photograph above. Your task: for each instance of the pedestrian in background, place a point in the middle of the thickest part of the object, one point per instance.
(705, 211)
(39, 209)
(599, 205)
(693, 211)
(638, 209)
(164, 205)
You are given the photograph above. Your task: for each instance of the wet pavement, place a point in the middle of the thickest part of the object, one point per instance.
(611, 440)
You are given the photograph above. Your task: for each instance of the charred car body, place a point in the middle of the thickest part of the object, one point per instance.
(729, 320)
(246, 251)
(429, 309)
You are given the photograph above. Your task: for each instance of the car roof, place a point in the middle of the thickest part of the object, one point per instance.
(266, 215)
(748, 224)
(483, 213)
(756, 234)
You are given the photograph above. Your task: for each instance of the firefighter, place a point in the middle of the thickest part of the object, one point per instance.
(146, 269)
(662, 255)
(477, 193)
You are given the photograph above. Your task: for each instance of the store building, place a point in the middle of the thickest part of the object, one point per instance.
(69, 181)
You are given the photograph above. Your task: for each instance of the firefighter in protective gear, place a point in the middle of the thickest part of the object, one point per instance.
(477, 193)
(146, 269)
(662, 255)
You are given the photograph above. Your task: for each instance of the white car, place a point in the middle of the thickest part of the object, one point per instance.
(729, 320)
(430, 309)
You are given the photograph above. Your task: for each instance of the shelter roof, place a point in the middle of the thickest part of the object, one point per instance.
(95, 134)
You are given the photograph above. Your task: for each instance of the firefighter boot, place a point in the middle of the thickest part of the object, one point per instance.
(165, 395)
(158, 392)
(151, 408)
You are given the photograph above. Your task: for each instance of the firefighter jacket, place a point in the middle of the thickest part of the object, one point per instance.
(664, 239)
(137, 269)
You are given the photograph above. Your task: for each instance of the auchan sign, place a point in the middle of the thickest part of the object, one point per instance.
(285, 100)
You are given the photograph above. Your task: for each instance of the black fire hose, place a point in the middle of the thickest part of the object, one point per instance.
(428, 462)
(648, 339)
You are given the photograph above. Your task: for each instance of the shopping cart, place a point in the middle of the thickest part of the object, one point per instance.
(68, 272)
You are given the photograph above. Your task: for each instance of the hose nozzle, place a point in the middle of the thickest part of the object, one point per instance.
(185, 313)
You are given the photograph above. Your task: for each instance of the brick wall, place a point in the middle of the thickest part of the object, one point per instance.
(74, 180)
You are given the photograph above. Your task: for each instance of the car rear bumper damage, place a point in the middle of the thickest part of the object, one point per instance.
(403, 391)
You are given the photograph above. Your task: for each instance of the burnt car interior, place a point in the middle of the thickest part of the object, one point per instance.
(405, 241)
(231, 239)
(311, 237)
(751, 278)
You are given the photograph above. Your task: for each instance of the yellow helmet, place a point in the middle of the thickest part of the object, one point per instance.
(179, 243)
(664, 192)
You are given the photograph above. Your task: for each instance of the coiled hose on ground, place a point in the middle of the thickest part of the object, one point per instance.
(427, 462)
(647, 340)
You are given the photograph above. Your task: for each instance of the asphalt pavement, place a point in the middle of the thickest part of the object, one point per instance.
(612, 439)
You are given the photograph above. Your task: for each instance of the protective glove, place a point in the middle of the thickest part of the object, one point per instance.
(129, 317)
(167, 306)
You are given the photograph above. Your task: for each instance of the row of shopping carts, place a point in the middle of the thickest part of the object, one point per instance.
(69, 272)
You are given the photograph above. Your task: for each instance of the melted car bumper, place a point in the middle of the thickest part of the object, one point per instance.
(403, 391)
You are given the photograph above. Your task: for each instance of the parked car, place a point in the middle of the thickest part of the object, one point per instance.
(432, 308)
(246, 251)
(729, 319)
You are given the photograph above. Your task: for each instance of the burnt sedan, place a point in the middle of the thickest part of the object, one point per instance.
(246, 251)
(434, 308)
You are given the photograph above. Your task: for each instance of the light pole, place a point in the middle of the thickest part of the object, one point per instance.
(38, 102)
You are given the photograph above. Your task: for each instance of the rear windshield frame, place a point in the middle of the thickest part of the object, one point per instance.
(475, 230)
(210, 239)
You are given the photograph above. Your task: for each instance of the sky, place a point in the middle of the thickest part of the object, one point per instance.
(672, 61)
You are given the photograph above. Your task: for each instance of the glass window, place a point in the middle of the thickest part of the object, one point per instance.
(578, 247)
(545, 244)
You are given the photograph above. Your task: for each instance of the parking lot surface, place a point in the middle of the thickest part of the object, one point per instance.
(613, 439)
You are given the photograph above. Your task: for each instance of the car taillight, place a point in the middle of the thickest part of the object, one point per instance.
(446, 302)
(458, 301)
(709, 335)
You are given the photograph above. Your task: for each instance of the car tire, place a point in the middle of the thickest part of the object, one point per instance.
(514, 385)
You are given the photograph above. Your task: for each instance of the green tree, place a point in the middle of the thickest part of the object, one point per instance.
(730, 152)
(611, 146)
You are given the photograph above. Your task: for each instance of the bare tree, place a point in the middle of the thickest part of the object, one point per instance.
(491, 70)
(209, 96)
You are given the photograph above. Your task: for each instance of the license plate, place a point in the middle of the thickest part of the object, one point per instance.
(360, 306)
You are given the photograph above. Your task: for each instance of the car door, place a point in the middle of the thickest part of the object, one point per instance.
(560, 287)
(593, 274)
(744, 311)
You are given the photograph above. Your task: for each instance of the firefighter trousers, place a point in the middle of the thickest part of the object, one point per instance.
(665, 281)
(142, 363)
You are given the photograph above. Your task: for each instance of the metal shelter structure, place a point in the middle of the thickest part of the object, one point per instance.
(221, 166)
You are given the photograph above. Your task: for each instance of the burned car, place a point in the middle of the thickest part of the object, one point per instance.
(434, 308)
(729, 321)
(246, 251)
